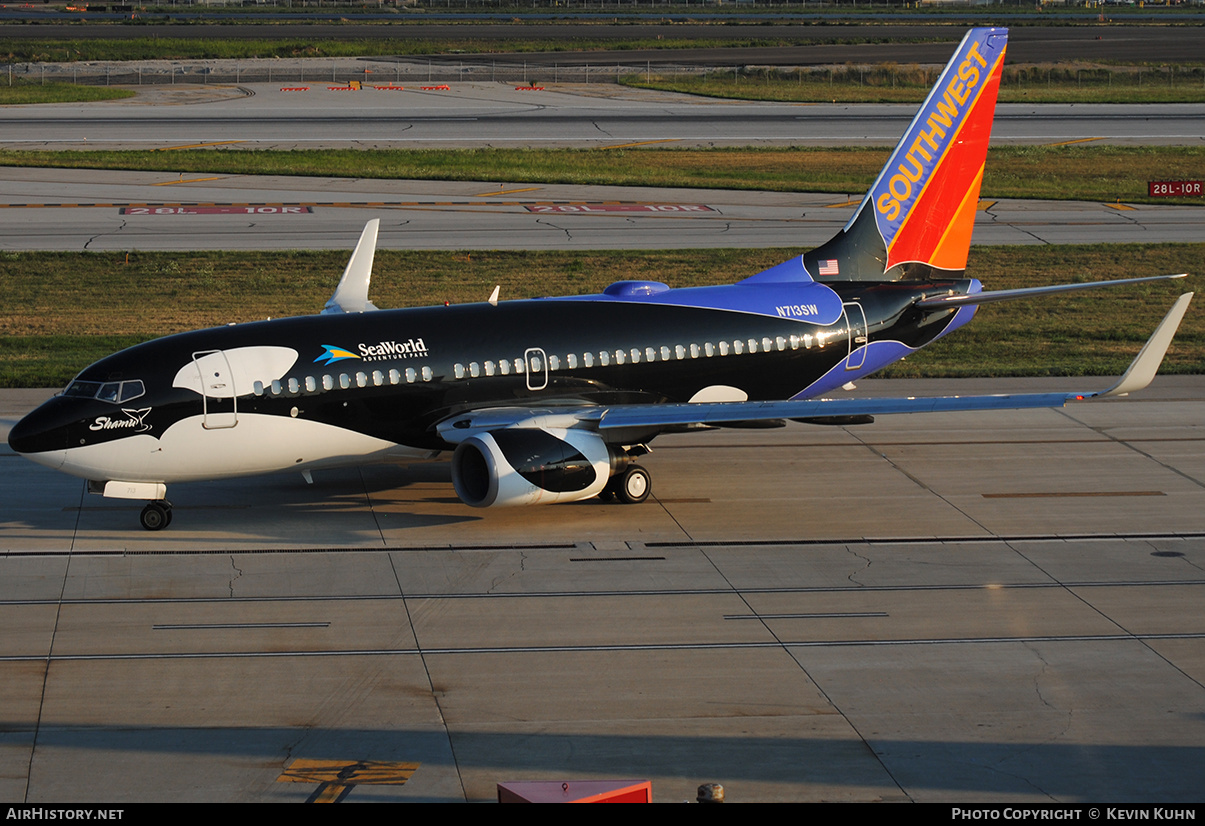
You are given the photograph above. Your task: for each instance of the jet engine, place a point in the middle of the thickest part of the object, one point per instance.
(532, 466)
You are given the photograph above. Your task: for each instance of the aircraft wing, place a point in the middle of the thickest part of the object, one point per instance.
(645, 417)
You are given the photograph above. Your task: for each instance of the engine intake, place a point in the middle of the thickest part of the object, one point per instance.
(531, 466)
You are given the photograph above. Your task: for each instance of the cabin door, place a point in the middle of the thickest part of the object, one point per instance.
(536, 368)
(219, 397)
(855, 317)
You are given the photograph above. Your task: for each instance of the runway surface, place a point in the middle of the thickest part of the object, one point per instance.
(993, 607)
(467, 114)
(45, 209)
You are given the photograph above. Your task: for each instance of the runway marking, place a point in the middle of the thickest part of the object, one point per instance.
(260, 209)
(1079, 140)
(847, 615)
(642, 143)
(188, 181)
(507, 191)
(1055, 494)
(984, 206)
(194, 146)
(1122, 207)
(586, 209)
(336, 778)
(850, 202)
(229, 625)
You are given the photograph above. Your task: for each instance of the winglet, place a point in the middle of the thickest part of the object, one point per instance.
(494, 295)
(351, 296)
(1144, 366)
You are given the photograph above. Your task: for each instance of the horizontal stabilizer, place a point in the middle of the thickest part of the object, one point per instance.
(957, 300)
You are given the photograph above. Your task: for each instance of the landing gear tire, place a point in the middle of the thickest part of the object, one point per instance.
(156, 516)
(633, 485)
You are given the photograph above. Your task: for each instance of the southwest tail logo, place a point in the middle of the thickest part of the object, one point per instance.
(926, 195)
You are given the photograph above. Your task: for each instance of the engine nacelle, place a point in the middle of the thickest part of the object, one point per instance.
(530, 466)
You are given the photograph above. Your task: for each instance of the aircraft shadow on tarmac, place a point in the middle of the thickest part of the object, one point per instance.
(845, 768)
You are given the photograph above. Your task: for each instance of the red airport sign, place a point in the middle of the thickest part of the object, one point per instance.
(1172, 189)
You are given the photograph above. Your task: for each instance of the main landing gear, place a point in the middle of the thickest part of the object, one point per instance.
(156, 515)
(631, 486)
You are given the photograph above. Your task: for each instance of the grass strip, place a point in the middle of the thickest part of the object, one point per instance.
(1081, 172)
(63, 311)
(22, 92)
(892, 83)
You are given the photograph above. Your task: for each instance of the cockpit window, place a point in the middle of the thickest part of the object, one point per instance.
(117, 392)
(85, 389)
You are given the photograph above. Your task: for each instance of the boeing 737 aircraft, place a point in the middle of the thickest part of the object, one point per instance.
(553, 399)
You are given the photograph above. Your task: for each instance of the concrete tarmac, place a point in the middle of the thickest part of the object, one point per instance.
(98, 210)
(295, 113)
(964, 607)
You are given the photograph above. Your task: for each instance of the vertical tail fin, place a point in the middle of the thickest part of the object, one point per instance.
(915, 222)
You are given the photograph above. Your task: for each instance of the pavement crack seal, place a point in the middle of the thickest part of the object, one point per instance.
(598, 128)
(568, 234)
(88, 243)
(238, 575)
(866, 563)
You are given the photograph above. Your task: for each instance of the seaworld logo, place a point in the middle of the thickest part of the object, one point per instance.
(381, 351)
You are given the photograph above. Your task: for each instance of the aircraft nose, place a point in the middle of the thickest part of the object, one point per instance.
(39, 432)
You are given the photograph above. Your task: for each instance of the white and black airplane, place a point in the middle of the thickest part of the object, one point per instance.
(553, 399)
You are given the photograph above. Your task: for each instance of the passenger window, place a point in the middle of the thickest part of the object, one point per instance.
(604, 358)
(276, 388)
(311, 384)
(361, 380)
(709, 349)
(474, 369)
(344, 381)
(395, 377)
(427, 374)
(410, 375)
(588, 359)
(258, 388)
(554, 363)
(378, 378)
(458, 371)
(723, 348)
(294, 387)
(504, 367)
(328, 383)
(489, 368)
(571, 361)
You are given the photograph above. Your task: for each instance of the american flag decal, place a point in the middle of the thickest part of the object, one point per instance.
(830, 267)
